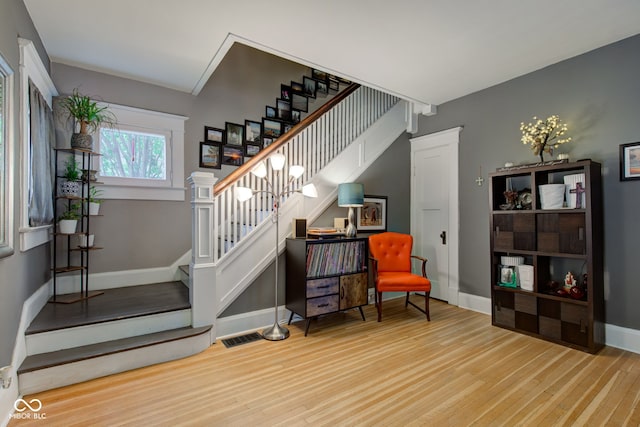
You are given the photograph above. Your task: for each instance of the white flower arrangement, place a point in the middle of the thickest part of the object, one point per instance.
(544, 135)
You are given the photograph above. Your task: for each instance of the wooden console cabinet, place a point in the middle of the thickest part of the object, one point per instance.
(555, 242)
(326, 276)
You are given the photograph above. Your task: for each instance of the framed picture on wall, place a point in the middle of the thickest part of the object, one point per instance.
(323, 89)
(232, 156)
(271, 128)
(310, 86)
(319, 75)
(630, 161)
(211, 155)
(296, 115)
(251, 150)
(270, 112)
(296, 87)
(252, 131)
(372, 216)
(334, 85)
(285, 92)
(235, 134)
(214, 134)
(299, 102)
(284, 109)
(266, 141)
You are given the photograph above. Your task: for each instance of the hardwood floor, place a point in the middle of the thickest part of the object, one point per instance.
(456, 370)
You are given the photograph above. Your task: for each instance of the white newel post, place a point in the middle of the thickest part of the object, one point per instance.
(202, 272)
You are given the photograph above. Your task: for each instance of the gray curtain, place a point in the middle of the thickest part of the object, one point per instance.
(40, 152)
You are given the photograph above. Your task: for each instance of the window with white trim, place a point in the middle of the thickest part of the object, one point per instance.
(6, 200)
(142, 156)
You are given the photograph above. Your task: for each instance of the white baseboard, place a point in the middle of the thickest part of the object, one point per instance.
(249, 322)
(623, 338)
(474, 303)
(117, 279)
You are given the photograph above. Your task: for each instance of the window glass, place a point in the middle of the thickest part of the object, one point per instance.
(131, 154)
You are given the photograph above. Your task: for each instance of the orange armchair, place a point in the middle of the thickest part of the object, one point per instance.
(391, 264)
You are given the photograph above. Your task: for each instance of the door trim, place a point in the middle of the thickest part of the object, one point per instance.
(449, 138)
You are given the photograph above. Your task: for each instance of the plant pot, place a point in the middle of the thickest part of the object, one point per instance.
(82, 140)
(67, 226)
(70, 188)
(89, 174)
(94, 208)
(86, 243)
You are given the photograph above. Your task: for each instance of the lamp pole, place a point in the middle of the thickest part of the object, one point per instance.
(277, 160)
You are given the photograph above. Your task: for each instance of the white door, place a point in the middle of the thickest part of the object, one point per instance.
(431, 212)
(434, 212)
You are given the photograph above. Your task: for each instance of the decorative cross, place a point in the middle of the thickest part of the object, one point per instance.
(479, 181)
(578, 192)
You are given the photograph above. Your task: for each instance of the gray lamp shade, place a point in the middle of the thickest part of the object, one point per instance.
(350, 195)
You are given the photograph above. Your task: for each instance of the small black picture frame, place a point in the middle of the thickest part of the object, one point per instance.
(267, 141)
(235, 134)
(334, 85)
(252, 131)
(310, 86)
(319, 75)
(212, 134)
(251, 150)
(297, 87)
(232, 155)
(323, 89)
(284, 109)
(271, 128)
(211, 155)
(296, 116)
(286, 127)
(299, 102)
(270, 112)
(630, 161)
(285, 92)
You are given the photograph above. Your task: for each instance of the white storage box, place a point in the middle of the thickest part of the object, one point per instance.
(551, 196)
(525, 277)
(511, 260)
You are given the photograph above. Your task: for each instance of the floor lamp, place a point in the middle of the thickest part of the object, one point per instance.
(277, 161)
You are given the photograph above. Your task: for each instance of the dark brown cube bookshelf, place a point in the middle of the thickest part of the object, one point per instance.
(554, 241)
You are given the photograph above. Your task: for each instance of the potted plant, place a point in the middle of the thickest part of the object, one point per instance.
(71, 173)
(68, 221)
(88, 116)
(94, 201)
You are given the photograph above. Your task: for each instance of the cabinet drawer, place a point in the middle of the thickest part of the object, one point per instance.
(321, 287)
(322, 305)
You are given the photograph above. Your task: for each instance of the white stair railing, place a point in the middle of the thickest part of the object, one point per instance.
(312, 147)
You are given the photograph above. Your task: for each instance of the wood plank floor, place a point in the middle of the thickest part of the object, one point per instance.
(456, 370)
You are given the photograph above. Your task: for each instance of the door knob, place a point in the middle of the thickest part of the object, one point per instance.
(443, 236)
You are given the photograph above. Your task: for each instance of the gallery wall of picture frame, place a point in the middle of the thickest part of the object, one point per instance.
(231, 145)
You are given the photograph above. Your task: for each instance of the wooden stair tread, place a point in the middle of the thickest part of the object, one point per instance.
(61, 357)
(114, 304)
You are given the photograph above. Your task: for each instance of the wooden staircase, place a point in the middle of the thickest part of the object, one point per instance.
(123, 329)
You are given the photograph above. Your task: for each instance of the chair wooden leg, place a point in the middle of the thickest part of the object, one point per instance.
(379, 299)
(426, 305)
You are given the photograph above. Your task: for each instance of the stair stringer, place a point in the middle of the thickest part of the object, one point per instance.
(235, 272)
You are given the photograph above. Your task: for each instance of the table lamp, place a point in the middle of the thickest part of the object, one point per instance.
(351, 195)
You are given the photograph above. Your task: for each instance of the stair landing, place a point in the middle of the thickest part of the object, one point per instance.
(114, 304)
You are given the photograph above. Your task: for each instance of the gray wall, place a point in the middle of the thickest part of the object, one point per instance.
(135, 234)
(22, 273)
(598, 95)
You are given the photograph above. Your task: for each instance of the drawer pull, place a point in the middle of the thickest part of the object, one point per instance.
(323, 305)
(323, 287)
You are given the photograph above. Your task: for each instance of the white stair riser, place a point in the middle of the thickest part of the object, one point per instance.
(60, 339)
(88, 369)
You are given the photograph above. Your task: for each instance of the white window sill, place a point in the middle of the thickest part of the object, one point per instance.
(119, 192)
(31, 237)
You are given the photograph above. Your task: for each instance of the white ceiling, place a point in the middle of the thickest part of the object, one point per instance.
(429, 51)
